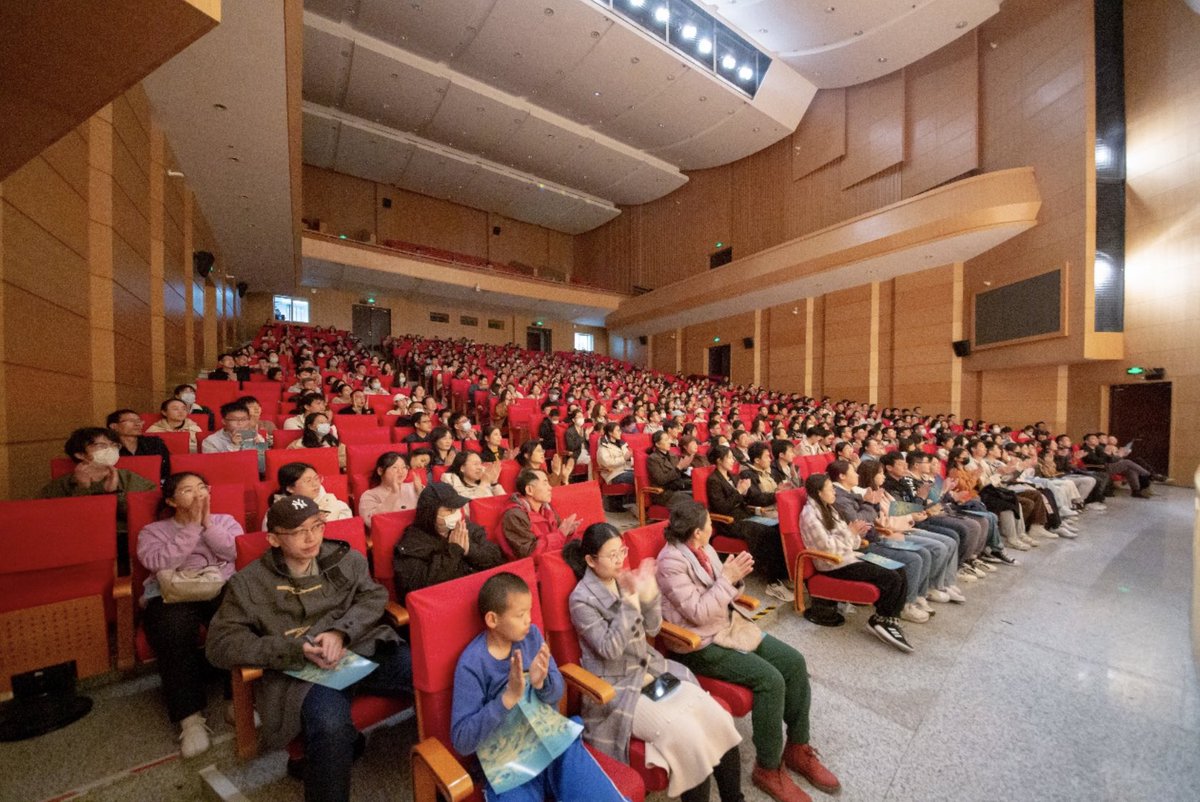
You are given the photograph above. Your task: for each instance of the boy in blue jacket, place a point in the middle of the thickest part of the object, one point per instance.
(490, 680)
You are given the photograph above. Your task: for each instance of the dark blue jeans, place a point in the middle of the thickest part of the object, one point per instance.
(329, 733)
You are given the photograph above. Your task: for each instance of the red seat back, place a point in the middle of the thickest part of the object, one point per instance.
(361, 459)
(790, 503)
(644, 542)
(233, 467)
(376, 435)
(700, 483)
(267, 394)
(508, 475)
(387, 528)
(582, 499)
(556, 580)
(83, 533)
(284, 438)
(149, 467)
(355, 423)
(487, 512)
(212, 393)
(325, 460)
(443, 619)
(176, 442)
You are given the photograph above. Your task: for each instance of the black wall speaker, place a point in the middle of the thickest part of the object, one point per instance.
(242, 288)
(961, 347)
(747, 342)
(643, 340)
(203, 261)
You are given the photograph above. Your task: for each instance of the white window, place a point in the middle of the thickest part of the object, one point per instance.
(584, 341)
(293, 310)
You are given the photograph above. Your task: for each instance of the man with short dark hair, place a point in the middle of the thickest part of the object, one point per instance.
(235, 433)
(127, 426)
(532, 526)
(262, 622)
(423, 424)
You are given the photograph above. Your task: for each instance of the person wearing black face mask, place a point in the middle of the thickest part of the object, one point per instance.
(441, 544)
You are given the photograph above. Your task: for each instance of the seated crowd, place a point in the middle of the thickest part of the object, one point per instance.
(913, 504)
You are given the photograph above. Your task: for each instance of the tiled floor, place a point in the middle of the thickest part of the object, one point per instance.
(1069, 677)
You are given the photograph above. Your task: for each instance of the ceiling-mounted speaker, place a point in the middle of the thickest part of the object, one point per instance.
(203, 261)
(747, 343)
(961, 347)
(643, 340)
(242, 288)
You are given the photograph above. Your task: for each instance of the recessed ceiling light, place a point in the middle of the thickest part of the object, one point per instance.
(479, 108)
(549, 12)
(882, 59)
(597, 94)
(704, 46)
(858, 33)
(962, 24)
(219, 106)
(661, 14)
(830, 9)
(517, 54)
(234, 159)
(595, 34)
(728, 61)
(754, 130)
(635, 60)
(395, 75)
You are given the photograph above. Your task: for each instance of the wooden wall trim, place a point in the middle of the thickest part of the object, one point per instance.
(1001, 200)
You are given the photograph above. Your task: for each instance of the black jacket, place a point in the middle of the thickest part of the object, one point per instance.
(422, 559)
(148, 446)
(547, 435)
(575, 443)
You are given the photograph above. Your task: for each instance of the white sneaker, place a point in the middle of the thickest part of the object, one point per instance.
(1096, 506)
(967, 574)
(193, 736)
(939, 596)
(912, 612)
(955, 594)
(1070, 534)
(924, 604)
(1041, 531)
(778, 590)
(1019, 545)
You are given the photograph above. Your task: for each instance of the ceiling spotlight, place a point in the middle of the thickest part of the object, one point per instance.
(662, 15)
(830, 9)
(637, 3)
(688, 32)
(961, 25)
(597, 94)
(549, 12)
(704, 46)
(882, 59)
(728, 62)
(745, 73)
(858, 33)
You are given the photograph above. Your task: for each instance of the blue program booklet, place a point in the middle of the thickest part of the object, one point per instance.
(902, 545)
(350, 670)
(530, 738)
(882, 562)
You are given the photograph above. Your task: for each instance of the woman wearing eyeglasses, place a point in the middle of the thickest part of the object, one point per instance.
(302, 479)
(686, 732)
(192, 538)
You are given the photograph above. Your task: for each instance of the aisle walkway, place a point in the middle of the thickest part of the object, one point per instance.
(1067, 678)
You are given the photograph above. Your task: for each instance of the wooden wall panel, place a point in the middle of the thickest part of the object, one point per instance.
(874, 128)
(343, 204)
(821, 136)
(698, 339)
(920, 346)
(605, 255)
(662, 352)
(1019, 396)
(429, 221)
(784, 356)
(885, 344)
(847, 343)
(758, 200)
(1037, 108)
(942, 116)
(679, 232)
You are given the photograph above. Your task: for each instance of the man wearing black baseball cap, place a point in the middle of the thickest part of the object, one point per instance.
(441, 544)
(307, 602)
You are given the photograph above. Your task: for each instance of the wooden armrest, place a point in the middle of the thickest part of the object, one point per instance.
(721, 519)
(749, 602)
(123, 597)
(434, 770)
(396, 615)
(678, 638)
(653, 491)
(587, 683)
(820, 555)
(244, 732)
(247, 674)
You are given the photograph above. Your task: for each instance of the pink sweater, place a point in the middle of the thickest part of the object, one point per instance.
(687, 598)
(167, 544)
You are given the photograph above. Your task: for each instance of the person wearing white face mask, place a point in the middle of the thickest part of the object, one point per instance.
(441, 544)
(375, 387)
(95, 453)
(187, 394)
(320, 433)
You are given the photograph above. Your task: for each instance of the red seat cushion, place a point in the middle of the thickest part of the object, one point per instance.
(842, 590)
